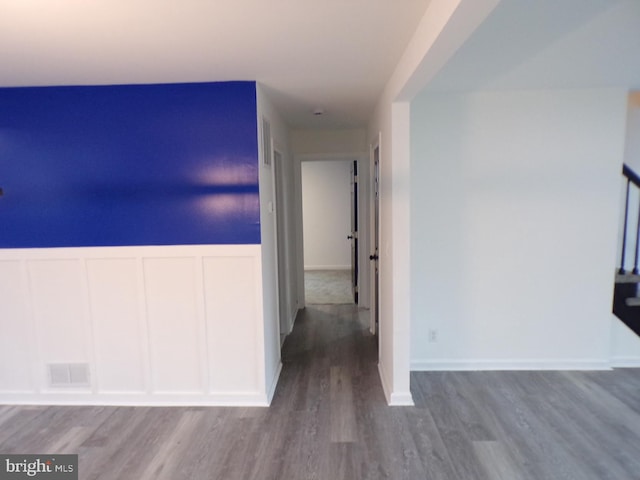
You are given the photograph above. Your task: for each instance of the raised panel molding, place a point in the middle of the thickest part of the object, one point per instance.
(58, 299)
(168, 325)
(175, 328)
(17, 344)
(231, 316)
(117, 334)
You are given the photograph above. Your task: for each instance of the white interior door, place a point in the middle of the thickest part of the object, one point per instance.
(353, 236)
(375, 234)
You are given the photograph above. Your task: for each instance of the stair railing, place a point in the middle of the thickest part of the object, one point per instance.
(632, 179)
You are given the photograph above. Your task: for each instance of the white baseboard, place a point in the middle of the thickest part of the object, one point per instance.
(136, 400)
(625, 362)
(274, 383)
(401, 399)
(394, 399)
(327, 267)
(479, 365)
(139, 277)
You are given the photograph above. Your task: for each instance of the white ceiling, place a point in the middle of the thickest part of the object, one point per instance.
(333, 54)
(549, 44)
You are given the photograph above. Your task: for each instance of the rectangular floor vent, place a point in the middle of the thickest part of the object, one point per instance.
(68, 375)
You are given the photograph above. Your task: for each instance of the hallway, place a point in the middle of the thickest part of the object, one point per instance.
(328, 287)
(329, 421)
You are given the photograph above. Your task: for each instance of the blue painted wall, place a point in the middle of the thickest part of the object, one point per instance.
(129, 165)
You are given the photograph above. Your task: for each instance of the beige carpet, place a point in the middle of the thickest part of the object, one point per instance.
(324, 287)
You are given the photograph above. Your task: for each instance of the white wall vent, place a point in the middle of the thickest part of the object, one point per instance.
(68, 375)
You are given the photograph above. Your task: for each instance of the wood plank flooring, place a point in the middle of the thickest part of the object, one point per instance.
(329, 421)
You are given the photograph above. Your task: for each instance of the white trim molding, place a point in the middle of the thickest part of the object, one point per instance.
(499, 364)
(154, 325)
(394, 399)
(625, 362)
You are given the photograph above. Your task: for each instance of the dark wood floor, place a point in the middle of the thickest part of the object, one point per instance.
(329, 421)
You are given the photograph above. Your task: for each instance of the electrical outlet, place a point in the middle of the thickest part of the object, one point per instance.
(433, 336)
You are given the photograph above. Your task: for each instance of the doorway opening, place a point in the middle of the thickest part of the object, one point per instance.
(330, 225)
(285, 244)
(375, 240)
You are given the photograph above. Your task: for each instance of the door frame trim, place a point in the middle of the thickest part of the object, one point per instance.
(364, 215)
(374, 302)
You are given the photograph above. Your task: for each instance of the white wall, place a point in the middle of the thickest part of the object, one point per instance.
(514, 213)
(155, 325)
(444, 27)
(394, 257)
(175, 325)
(347, 145)
(326, 207)
(328, 142)
(625, 344)
(272, 323)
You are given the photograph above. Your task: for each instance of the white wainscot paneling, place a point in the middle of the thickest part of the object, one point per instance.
(175, 329)
(175, 325)
(58, 301)
(16, 334)
(232, 324)
(118, 338)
